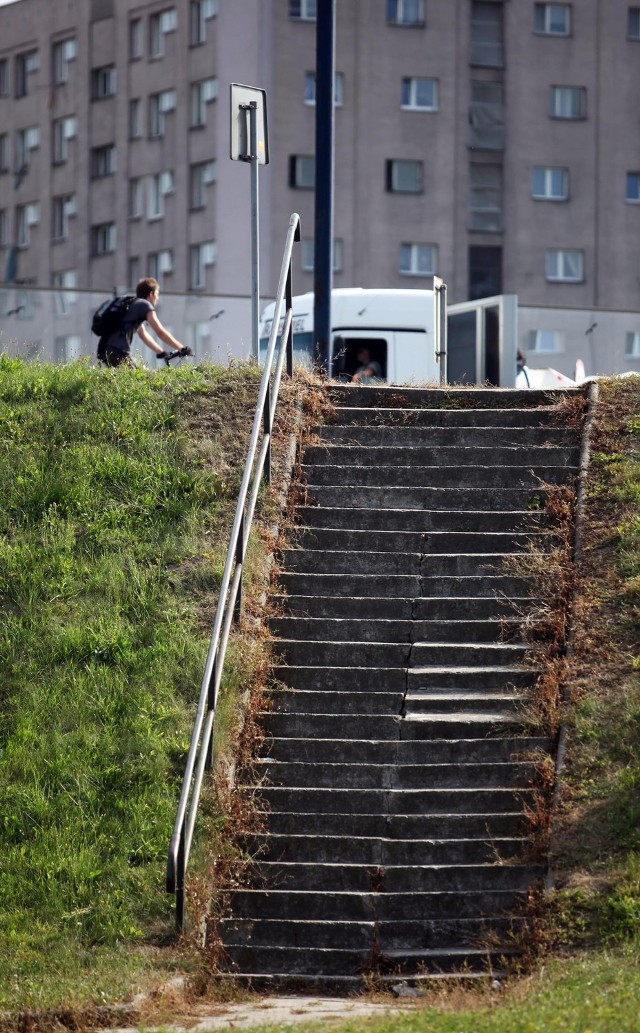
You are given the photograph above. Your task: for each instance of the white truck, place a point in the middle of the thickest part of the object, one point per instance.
(397, 327)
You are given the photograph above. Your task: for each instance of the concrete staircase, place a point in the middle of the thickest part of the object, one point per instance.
(397, 767)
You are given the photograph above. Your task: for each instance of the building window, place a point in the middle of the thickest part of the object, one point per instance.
(159, 26)
(203, 174)
(310, 88)
(485, 205)
(136, 198)
(135, 270)
(404, 177)
(68, 348)
(302, 172)
(104, 238)
(549, 184)
(565, 266)
(485, 272)
(27, 216)
(4, 77)
(633, 187)
(199, 338)
(159, 187)
(202, 11)
(4, 228)
(486, 116)
(135, 119)
(567, 102)
(64, 53)
(487, 32)
(4, 152)
(419, 94)
(103, 82)
(136, 43)
(160, 264)
(633, 23)
(632, 344)
(545, 341)
(64, 129)
(418, 259)
(303, 10)
(160, 104)
(405, 12)
(26, 64)
(103, 161)
(27, 140)
(202, 93)
(552, 19)
(64, 208)
(307, 255)
(66, 283)
(202, 256)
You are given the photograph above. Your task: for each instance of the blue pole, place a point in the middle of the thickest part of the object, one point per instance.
(323, 229)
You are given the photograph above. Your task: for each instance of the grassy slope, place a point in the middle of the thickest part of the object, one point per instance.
(115, 496)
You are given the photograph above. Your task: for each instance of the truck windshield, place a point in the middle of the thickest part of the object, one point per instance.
(302, 348)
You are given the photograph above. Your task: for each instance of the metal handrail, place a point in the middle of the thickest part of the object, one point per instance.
(200, 757)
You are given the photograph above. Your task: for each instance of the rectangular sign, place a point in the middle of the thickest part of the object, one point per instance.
(242, 99)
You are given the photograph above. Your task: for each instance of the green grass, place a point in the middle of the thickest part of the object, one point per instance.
(114, 514)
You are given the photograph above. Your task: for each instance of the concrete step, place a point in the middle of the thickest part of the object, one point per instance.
(324, 629)
(458, 703)
(424, 542)
(344, 702)
(323, 775)
(401, 679)
(438, 609)
(390, 654)
(395, 801)
(448, 397)
(405, 585)
(385, 497)
(469, 723)
(400, 826)
(350, 878)
(487, 455)
(481, 435)
(316, 561)
(469, 476)
(460, 678)
(367, 751)
(362, 906)
(349, 517)
(365, 850)
(326, 725)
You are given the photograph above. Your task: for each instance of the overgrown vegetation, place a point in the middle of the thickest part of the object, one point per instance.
(116, 494)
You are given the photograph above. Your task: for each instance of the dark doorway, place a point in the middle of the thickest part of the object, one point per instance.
(485, 272)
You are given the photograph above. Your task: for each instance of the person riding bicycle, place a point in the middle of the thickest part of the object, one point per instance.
(117, 347)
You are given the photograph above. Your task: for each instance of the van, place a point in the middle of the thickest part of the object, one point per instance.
(395, 326)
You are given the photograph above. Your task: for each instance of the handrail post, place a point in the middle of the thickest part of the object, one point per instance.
(237, 606)
(211, 705)
(289, 301)
(266, 428)
(180, 873)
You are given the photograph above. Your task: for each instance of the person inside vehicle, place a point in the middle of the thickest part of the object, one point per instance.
(368, 370)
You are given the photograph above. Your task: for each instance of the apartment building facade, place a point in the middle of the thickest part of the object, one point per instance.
(493, 142)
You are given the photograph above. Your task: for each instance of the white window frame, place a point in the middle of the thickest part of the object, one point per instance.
(633, 23)
(27, 63)
(310, 89)
(64, 52)
(201, 11)
(27, 140)
(543, 19)
(136, 197)
(4, 228)
(135, 269)
(160, 104)
(199, 338)
(547, 193)
(632, 190)
(632, 344)
(104, 161)
(202, 175)
(64, 129)
(307, 254)
(410, 90)
(65, 283)
(63, 209)
(136, 39)
(203, 93)
(303, 10)
(4, 77)
(394, 167)
(561, 98)
(135, 118)
(105, 82)
(201, 257)
(160, 264)
(412, 259)
(401, 12)
(546, 342)
(159, 186)
(160, 25)
(557, 261)
(104, 239)
(27, 216)
(4, 152)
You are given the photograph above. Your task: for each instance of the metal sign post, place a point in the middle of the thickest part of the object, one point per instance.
(250, 143)
(440, 325)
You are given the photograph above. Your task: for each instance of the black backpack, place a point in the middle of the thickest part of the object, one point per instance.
(108, 317)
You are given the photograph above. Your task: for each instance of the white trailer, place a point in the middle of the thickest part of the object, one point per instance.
(397, 327)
